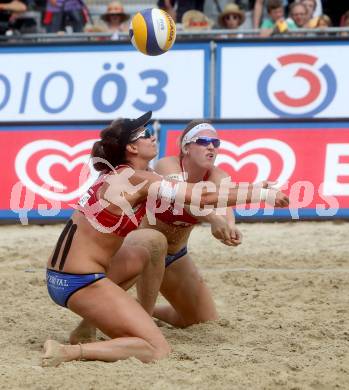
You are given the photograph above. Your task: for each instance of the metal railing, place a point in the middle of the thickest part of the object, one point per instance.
(298, 34)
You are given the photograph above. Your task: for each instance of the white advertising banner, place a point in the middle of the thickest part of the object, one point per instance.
(102, 82)
(283, 79)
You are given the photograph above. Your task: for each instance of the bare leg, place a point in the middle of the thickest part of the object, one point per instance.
(125, 274)
(149, 282)
(141, 259)
(119, 316)
(107, 351)
(191, 300)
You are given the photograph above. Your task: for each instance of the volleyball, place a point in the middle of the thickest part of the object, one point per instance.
(152, 31)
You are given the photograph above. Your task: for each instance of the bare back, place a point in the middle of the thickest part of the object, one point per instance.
(84, 246)
(90, 250)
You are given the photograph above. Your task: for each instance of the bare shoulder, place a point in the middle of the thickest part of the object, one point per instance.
(150, 176)
(167, 165)
(129, 176)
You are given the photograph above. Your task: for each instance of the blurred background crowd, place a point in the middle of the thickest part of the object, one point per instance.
(240, 18)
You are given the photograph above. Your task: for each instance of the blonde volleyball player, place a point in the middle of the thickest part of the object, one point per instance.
(190, 300)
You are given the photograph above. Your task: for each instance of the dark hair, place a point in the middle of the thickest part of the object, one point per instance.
(274, 4)
(190, 126)
(111, 147)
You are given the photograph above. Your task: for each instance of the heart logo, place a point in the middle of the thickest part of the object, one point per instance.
(45, 164)
(262, 162)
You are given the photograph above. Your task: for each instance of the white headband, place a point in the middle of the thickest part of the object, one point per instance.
(194, 131)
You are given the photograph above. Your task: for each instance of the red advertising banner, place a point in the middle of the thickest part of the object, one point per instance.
(309, 161)
(44, 171)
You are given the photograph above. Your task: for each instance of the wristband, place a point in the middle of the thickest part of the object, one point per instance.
(168, 191)
(263, 195)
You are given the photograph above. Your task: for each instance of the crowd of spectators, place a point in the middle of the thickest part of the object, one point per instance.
(238, 18)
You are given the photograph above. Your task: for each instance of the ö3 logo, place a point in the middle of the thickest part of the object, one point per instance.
(58, 91)
(321, 86)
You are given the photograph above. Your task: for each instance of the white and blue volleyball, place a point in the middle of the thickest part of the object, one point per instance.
(152, 31)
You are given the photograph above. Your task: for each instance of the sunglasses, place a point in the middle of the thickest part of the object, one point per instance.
(205, 141)
(146, 133)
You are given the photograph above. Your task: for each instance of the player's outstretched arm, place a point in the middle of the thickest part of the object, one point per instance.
(149, 185)
(230, 194)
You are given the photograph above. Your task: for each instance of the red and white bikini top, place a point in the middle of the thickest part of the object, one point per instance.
(184, 219)
(102, 219)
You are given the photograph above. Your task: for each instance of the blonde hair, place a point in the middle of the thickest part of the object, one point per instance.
(324, 18)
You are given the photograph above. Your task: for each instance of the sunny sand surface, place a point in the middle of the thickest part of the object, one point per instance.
(282, 296)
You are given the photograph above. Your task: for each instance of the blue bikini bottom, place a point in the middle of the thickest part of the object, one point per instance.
(61, 285)
(171, 258)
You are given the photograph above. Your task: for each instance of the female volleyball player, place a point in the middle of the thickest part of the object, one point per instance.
(76, 275)
(189, 297)
(112, 208)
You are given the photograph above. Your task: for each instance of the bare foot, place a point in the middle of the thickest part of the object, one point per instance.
(82, 334)
(54, 354)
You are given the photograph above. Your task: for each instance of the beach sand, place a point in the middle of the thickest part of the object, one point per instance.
(282, 296)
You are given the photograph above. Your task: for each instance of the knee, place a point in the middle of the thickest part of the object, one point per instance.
(150, 239)
(156, 241)
(156, 244)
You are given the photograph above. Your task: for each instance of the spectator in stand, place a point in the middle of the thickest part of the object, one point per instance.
(276, 23)
(115, 19)
(8, 11)
(232, 17)
(169, 6)
(311, 16)
(345, 23)
(38, 6)
(96, 28)
(335, 9)
(345, 20)
(186, 5)
(298, 14)
(177, 8)
(31, 21)
(324, 21)
(260, 10)
(322, 25)
(196, 21)
(214, 8)
(62, 13)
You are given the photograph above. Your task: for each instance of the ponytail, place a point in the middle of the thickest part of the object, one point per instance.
(110, 149)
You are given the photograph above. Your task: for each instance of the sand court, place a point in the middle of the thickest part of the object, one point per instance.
(282, 296)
